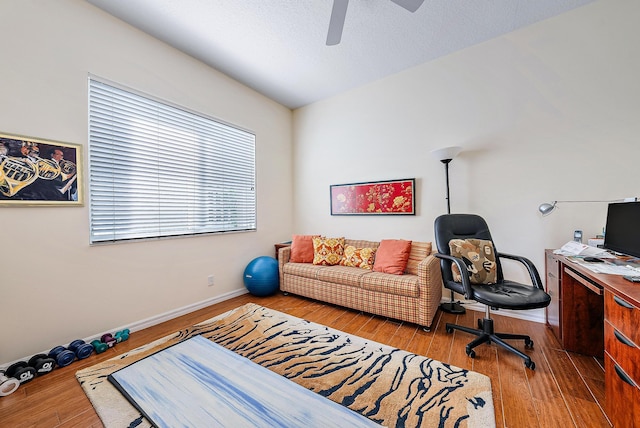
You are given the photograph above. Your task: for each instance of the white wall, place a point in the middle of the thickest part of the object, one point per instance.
(549, 112)
(54, 287)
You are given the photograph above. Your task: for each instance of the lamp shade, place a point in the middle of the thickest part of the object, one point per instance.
(545, 209)
(446, 153)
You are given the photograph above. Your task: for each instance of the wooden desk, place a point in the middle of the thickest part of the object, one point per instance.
(599, 314)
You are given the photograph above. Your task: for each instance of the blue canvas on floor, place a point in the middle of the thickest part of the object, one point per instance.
(199, 383)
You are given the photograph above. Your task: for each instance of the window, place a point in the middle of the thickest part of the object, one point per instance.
(156, 170)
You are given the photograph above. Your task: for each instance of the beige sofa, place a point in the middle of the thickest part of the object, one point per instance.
(413, 296)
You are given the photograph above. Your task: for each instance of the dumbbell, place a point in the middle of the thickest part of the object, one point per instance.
(21, 371)
(8, 385)
(62, 356)
(99, 346)
(108, 339)
(81, 349)
(122, 335)
(42, 363)
(78, 348)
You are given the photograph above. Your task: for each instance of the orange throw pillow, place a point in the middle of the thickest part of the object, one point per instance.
(302, 248)
(392, 256)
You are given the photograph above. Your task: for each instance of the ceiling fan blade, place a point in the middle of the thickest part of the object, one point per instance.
(336, 24)
(410, 5)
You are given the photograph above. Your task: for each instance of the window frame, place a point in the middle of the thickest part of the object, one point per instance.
(212, 161)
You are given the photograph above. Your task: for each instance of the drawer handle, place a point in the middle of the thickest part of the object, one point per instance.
(622, 339)
(623, 375)
(622, 302)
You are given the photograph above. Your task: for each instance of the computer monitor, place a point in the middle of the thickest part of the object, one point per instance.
(622, 231)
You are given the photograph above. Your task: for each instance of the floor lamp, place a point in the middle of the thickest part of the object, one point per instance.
(446, 155)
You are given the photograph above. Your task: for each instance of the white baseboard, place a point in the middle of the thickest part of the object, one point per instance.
(174, 313)
(151, 321)
(534, 315)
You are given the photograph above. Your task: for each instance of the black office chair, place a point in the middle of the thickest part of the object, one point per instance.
(503, 294)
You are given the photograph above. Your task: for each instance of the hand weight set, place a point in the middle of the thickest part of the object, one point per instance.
(78, 348)
(8, 385)
(99, 346)
(21, 371)
(122, 335)
(42, 363)
(108, 339)
(81, 349)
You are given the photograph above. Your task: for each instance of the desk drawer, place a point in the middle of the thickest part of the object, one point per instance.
(623, 316)
(624, 352)
(622, 399)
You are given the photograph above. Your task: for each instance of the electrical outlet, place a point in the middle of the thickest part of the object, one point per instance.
(210, 280)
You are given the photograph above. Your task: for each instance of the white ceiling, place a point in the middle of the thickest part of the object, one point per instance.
(278, 47)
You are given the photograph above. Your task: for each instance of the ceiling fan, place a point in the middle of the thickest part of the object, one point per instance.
(339, 11)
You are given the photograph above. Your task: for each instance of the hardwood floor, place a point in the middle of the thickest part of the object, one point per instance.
(566, 389)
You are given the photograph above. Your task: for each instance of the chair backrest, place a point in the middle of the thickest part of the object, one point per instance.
(461, 226)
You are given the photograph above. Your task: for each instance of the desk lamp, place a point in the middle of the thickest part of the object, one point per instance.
(446, 155)
(547, 208)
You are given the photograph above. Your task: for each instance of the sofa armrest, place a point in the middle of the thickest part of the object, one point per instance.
(430, 279)
(284, 254)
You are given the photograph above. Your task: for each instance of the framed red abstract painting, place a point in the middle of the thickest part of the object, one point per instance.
(392, 197)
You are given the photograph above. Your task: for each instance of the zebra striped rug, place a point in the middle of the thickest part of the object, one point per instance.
(389, 386)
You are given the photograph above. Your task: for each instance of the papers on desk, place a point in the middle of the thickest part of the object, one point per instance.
(576, 252)
(574, 248)
(606, 267)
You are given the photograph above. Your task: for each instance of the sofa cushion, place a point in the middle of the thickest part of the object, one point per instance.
(302, 248)
(360, 243)
(401, 285)
(392, 256)
(479, 258)
(305, 270)
(419, 252)
(358, 257)
(342, 275)
(327, 251)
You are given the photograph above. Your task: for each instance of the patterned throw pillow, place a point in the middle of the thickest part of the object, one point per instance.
(327, 251)
(479, 257)
(392, 256)
(358, 257)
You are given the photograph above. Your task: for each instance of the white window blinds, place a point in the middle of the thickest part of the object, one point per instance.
(157, 170)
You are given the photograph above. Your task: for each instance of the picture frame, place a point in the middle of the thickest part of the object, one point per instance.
(39, 172)
(390, 197)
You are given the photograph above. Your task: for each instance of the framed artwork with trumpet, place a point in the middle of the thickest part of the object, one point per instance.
(39, 172)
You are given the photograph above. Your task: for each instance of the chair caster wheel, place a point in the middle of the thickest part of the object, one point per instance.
(471, 353)
(479, 324)
(528, 344)
(449, 330)
(530, 365)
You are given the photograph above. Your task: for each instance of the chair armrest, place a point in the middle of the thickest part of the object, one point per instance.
(533, 272)
(464, 273)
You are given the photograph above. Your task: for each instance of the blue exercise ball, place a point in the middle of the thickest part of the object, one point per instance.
(261, 276)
